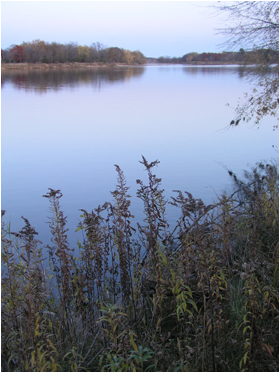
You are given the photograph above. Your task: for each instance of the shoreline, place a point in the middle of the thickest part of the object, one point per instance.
(54, 66)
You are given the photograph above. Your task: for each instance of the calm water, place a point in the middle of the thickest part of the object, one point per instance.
(66, 130)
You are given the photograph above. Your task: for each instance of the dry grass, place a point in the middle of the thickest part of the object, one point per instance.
(43, 66)
(203, 297)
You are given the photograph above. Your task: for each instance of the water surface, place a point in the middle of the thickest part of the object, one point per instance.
(65, 129)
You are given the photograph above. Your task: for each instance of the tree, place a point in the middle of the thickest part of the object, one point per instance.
(116, 54)
(138, 57)
(34, 51)
(17, 53)
(71, 51)
(39, 51)
(83, 53)
(98, 48)
(254, 26)
(128, 57)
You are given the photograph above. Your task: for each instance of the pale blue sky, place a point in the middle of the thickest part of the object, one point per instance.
(156, 28)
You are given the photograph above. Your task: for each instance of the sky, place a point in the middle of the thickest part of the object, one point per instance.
(156, 28)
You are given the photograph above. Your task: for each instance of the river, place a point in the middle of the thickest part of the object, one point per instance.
(66, 129)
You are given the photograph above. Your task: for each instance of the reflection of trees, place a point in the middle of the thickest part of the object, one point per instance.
(252, 71)
(42, 80)
(210, 70)
(3, 81)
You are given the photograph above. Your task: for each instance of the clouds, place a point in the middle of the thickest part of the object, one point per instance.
(154, 27)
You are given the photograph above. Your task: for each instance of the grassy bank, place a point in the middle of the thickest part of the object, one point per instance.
(25, 65)
(203, 297)
(44, 66)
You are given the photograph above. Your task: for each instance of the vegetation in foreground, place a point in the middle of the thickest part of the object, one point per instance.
(203, 297)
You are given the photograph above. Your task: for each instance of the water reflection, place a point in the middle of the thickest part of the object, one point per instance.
(207, 70)
(71, 140)
(41, 81)
(257, 72)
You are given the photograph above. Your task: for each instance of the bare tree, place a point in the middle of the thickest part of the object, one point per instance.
(254, 26)
(96, 50)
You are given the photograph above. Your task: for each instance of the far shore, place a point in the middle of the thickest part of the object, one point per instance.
(26, 65)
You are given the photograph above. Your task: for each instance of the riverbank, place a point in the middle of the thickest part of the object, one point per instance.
(193, 63)
(211, 63)
(67, 65)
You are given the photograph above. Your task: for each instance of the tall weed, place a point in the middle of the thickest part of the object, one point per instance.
(139, 297)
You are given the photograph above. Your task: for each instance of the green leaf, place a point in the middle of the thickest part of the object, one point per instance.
(245, 357)
(240, 363)
(52, 346)
(246, 327)
(193, 304)
(133, 343)
(32, 358)
(149, 367)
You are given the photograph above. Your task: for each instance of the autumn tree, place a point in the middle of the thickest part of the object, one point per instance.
(83, 53)
(17, 53)
(138, 57)
(116, 54)
(254, 26)
(58, 52)
(128, 57)
(39, 51)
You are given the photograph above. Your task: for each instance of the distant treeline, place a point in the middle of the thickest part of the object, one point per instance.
(40, 51)
(225, 57)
